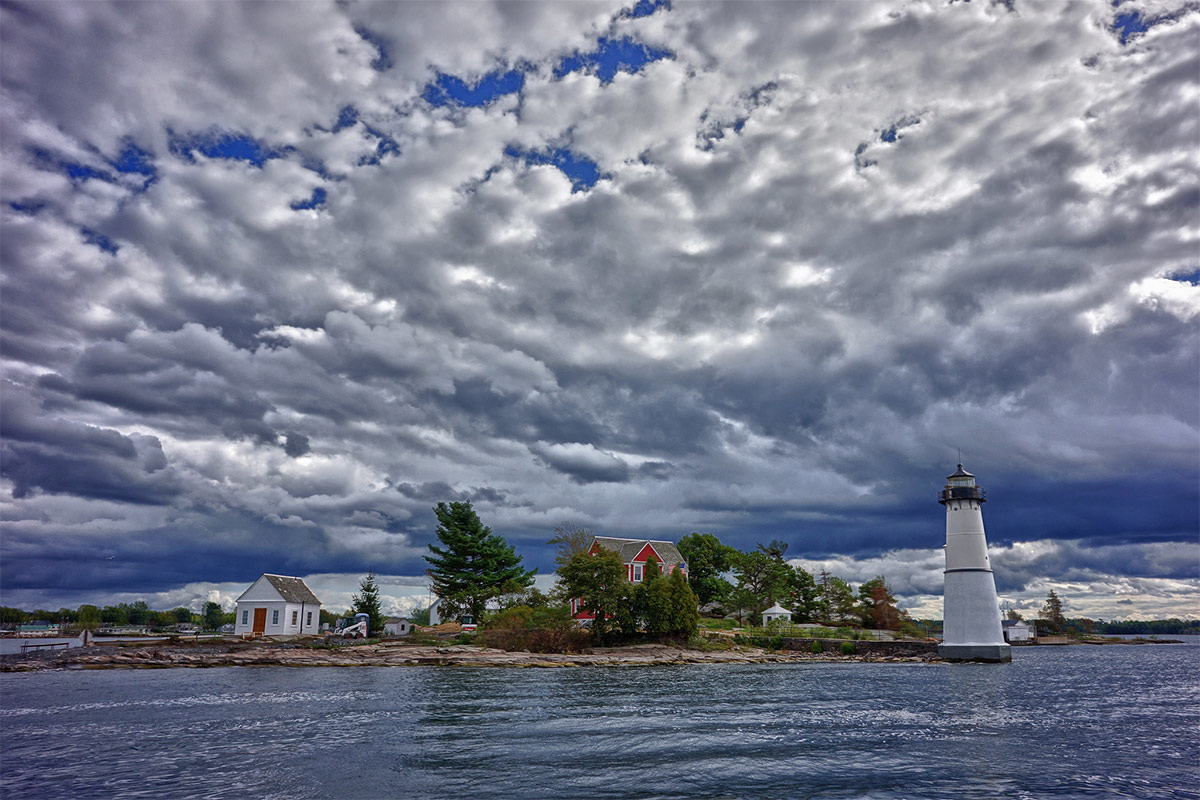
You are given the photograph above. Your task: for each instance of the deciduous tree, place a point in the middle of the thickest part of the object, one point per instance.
(89, 617)
(706, 560)
(761, 578)
(214, 615)
(835, 603)
(801, 595)
(598, 582)
(571, 540)
(878, 605)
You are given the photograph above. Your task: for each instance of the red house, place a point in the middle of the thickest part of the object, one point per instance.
(634, 554)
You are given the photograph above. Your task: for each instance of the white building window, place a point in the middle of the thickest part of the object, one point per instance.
(275, 617)
(295, 616)
(245, 617)
(637, 573)
(308, 619)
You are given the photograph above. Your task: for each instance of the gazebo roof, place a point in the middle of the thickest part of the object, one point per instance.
(777, 609)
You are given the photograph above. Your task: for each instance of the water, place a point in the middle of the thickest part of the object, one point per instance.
(1087, 722)
(10, 645)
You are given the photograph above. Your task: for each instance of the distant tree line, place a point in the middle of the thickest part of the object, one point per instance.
(1174, 625)
(136, 614)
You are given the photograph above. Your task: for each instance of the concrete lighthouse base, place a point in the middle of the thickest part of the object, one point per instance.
(990, 653)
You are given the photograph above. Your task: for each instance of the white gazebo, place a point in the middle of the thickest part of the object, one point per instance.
(776, 612)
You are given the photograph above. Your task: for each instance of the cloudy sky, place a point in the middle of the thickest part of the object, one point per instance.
(277, 278)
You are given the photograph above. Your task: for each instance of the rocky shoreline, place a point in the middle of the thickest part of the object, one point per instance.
(159, 655)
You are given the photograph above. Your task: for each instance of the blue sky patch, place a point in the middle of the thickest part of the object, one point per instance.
(1130, 25)
(1126, 25)
(1192, 277)
(449, 90)
(347, 118)
(132, 160)
(222, 144)
(316, 201)
(82, 172)
(387, 146)
(100, 240)
(581, 170)
(611, 56)
(136, 161)
(892, 133)
(383, 61)
(27, 206)
(645, 8)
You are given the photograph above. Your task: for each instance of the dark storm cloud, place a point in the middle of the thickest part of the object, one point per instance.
(583, 463)
(830, 247)
(296, 445)
(55, 456)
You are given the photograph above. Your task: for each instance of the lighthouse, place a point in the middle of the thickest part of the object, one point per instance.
(971, 615)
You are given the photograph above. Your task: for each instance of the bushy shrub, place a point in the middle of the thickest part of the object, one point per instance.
(538, 640)
(526, 618)
(816, 647)
(539, 630)
(847, 648)
(710, 644)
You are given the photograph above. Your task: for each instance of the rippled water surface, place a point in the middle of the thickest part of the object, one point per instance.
(1104, 722)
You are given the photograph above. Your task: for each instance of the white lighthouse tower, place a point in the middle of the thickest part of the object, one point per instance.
(971, 628)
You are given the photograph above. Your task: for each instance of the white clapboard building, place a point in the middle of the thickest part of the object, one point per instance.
(277, 605)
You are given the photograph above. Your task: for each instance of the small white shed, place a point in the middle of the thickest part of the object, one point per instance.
(277, 605)
(397, 626)
(1018, 631)
(776, 612)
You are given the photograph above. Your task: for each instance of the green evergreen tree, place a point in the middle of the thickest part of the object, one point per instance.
(655, 601)
(473, 565)
(367, 602)
(683, 607)
(1052, 618)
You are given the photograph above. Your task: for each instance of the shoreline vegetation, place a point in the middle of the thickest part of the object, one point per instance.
(318, 652)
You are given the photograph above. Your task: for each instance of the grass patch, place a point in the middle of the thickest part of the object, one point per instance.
(717, 624)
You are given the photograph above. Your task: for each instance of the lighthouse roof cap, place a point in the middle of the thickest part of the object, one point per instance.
(961, 473)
